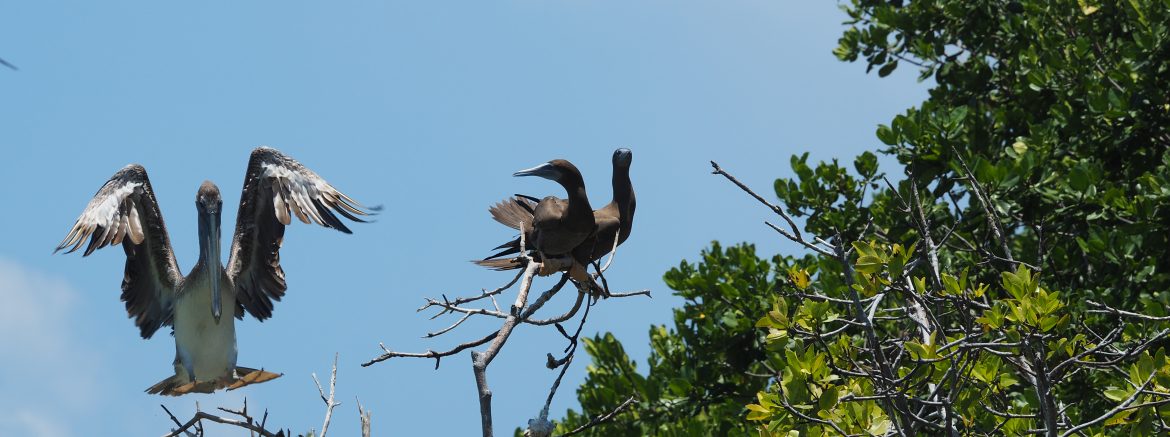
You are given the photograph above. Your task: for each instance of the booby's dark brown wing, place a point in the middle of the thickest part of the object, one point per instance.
(277, 188)
(557, 230)
(124, 211)
(601, 242)
(514, 212)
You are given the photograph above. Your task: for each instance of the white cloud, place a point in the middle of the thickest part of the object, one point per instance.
(45, 373)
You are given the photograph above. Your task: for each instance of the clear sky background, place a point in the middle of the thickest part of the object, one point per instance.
(424, 107)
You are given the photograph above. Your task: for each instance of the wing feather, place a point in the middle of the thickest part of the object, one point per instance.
(124, 211)
(276, 188)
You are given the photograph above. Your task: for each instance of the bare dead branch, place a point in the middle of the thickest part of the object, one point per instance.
(1105, 309)
(540, 426)
(247, 423)
(604, 417)
(329, 403)
(795, 234)
(483, 294)
(388, 354)
(176, 420)
(364, 416)
(643, 292)
(481, 360)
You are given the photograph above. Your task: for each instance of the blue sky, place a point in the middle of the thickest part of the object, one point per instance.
(424, 107)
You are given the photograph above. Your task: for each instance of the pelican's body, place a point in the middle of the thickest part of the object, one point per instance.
(205, 348)
(203, 305)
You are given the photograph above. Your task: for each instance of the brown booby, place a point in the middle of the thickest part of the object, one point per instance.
(614, 219)
(124, 211)
(554, 227)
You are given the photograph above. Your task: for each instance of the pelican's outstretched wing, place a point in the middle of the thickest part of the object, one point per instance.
(124, 211)
(277, 188)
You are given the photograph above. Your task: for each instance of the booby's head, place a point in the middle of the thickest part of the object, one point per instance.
(210, 205)
(557, 170)
(622, 158)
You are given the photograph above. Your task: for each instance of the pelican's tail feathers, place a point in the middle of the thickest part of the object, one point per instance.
(166, 387)
(248, 376)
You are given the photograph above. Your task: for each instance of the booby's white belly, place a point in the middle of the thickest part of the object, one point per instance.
(205, 347)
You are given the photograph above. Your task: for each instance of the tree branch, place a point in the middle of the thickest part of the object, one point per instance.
(329, 403)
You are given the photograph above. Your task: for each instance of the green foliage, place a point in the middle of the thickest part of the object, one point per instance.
(700, 369)
(1039, 162)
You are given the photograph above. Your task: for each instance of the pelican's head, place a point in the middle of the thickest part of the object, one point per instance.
(622, 158)
(208, 200)
(209, 204)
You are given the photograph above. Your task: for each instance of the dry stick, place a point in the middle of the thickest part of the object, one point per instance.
(449, 328)
(642, 292)
(541, 426)
(329, 404)
(612, 254)
(795, 234)
(480, 360)
(364, 415)
(388, 354)
(200, 415)
(1105, 309)
(175, 419)
(483, 294)
(604, 417)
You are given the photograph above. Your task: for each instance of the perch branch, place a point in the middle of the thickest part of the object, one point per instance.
(329, 403)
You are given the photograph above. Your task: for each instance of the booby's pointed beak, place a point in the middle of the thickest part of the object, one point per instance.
(546, 170)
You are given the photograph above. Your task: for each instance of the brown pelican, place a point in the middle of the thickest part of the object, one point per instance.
(615, 219)
(124, 211)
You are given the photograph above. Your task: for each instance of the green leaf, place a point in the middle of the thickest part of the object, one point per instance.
(1117, 394)
(886, 135)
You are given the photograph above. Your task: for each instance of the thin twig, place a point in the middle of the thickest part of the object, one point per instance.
(175, 419)
(388, 354)
(794, 234)
(604, 417)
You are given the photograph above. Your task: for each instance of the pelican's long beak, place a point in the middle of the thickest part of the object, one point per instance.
(211, 257)
(546, 170)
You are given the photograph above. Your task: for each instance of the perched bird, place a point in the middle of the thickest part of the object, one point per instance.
(615, 219)
(202, 306)
(553, 227)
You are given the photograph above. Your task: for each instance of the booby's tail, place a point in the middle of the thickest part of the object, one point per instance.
(501, 264)
(514, 212)
(178, 386)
